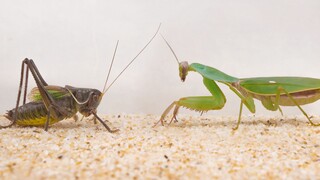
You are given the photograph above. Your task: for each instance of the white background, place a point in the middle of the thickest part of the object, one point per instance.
(72, 42)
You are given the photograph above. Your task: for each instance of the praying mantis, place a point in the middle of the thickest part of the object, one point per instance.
(273, 92)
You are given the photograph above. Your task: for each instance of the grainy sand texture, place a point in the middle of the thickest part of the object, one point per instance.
(197, 147)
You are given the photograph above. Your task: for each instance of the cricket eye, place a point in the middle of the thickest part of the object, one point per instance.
(95, 97)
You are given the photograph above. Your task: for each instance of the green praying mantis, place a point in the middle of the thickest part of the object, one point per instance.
(273, 92)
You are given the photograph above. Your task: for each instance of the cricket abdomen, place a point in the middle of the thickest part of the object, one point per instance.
(31, 114)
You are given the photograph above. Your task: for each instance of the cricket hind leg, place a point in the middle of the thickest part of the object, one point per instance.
(104, 124)
(14, 119)
(54, 110)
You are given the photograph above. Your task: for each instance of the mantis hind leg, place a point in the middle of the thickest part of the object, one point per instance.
(295, 102)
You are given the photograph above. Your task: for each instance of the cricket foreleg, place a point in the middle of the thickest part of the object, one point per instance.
(104, 124)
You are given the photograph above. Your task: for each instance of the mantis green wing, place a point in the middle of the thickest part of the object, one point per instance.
(270, 85)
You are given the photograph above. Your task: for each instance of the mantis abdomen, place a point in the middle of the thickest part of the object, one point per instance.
(301, 98)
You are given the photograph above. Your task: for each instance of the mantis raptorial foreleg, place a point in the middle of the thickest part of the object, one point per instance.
(175, 112)
(165, 113)
(198, 103)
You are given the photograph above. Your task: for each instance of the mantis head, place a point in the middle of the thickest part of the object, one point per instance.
(183, 65)
(183, 70)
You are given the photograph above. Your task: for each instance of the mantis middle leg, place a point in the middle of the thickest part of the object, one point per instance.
(246, 99)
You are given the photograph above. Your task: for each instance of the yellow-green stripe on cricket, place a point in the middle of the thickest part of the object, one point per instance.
(273, 92)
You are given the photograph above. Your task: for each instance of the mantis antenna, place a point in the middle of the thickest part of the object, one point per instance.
(170, 48)
(133, 59)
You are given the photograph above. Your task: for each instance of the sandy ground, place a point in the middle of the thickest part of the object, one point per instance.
(196, 147)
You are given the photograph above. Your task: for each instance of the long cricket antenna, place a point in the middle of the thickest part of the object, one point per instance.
(134, 58)
(109, 71)
(170, 48)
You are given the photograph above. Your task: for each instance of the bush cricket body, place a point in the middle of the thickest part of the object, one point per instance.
(51, 104)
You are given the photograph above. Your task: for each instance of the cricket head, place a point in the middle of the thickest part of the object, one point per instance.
(93, 98)
(87, 99)
(183, 70)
